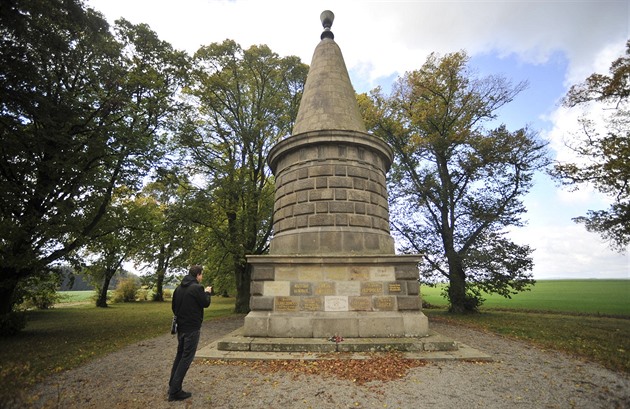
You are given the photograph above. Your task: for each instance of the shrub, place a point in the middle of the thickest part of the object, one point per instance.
(142, 294)
(126, 290)
(40, 291)
(167, 293)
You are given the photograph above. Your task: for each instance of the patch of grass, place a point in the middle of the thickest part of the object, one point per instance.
(63, 338)
(605, 340)
(603, 297)
(77, 296)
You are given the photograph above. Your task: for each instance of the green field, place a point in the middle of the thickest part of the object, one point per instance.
(598, 297)
(76, 296)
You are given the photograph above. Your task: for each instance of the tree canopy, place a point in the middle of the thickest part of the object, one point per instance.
(240, 103)
(82, 110)
(455, 186)
(603, 152)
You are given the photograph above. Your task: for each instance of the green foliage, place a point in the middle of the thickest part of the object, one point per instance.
(604, 154)
(82, 112)
(455, 186)
(126, 290)
(167, 234)
(241, 102)
(40, 291)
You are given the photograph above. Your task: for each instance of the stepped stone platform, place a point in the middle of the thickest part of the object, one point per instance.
(236, 346)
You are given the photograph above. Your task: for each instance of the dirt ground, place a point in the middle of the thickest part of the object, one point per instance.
(520, 375)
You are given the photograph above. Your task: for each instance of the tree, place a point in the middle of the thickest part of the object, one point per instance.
(455, 186)
(81, 113)
(242, 101)
(170, 232)
(604, 160)
(119, 236)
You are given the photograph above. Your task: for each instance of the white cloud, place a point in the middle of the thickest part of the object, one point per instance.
(380, 38)
(571, 251)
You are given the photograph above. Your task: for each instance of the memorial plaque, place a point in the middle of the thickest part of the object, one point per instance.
(360, 303)
(395, 288)
(382, 274)
(325, 288)
(359, 274)
(335, 303)
(312, 304)
(286, 304)
(301, 289)
(371, 289)
(384, 303)
(348, 288)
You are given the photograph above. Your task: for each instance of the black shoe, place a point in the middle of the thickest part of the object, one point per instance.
(181, 395)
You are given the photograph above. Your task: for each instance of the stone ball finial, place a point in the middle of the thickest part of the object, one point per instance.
(327, 17)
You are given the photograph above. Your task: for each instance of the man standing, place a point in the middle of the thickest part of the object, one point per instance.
(189, 300)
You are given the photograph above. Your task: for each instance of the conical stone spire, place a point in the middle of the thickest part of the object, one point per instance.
(328, 101)
(332, 267)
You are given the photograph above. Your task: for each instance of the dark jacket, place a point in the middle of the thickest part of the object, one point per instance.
(189, 300)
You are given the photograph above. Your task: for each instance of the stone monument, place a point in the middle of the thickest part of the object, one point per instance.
(332, 267)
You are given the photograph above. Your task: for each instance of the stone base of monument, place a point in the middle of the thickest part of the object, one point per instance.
(434, 346)
(349, 324)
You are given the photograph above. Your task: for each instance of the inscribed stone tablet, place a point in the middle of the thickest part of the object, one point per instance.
(348, 288)
(371, 288)
(384, 303)
(301, 289)
(394, 288)
(312, 304)
(359, 274)
(360, 303)
(382, 274)
(286, 304)
(325, 288)
(335, 303)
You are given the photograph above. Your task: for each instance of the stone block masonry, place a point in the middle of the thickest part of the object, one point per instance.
(354, 296)
(331, 194)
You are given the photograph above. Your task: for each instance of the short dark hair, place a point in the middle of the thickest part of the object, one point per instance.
(195, 270)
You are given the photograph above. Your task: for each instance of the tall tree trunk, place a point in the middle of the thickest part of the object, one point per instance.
(159, 287)
(160, 273)
(7, 293)
(242, 272)
(102, 296)
(457, 285)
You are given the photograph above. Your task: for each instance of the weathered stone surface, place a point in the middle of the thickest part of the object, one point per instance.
(335, 303)
(261, 303)
(298, 326)
(408, 302)
(342, 326)
(328, 98)
(277, 288)
(260, 273)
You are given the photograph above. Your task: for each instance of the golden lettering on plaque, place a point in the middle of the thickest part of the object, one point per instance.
(285, 304)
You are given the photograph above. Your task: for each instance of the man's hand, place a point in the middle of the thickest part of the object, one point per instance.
(209, 289)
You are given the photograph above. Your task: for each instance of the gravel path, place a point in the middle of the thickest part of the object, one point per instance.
(520, 376)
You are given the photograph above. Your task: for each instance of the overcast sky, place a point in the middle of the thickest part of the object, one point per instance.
(551, 44)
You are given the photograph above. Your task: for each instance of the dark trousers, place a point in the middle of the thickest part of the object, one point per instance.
(186, 349)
